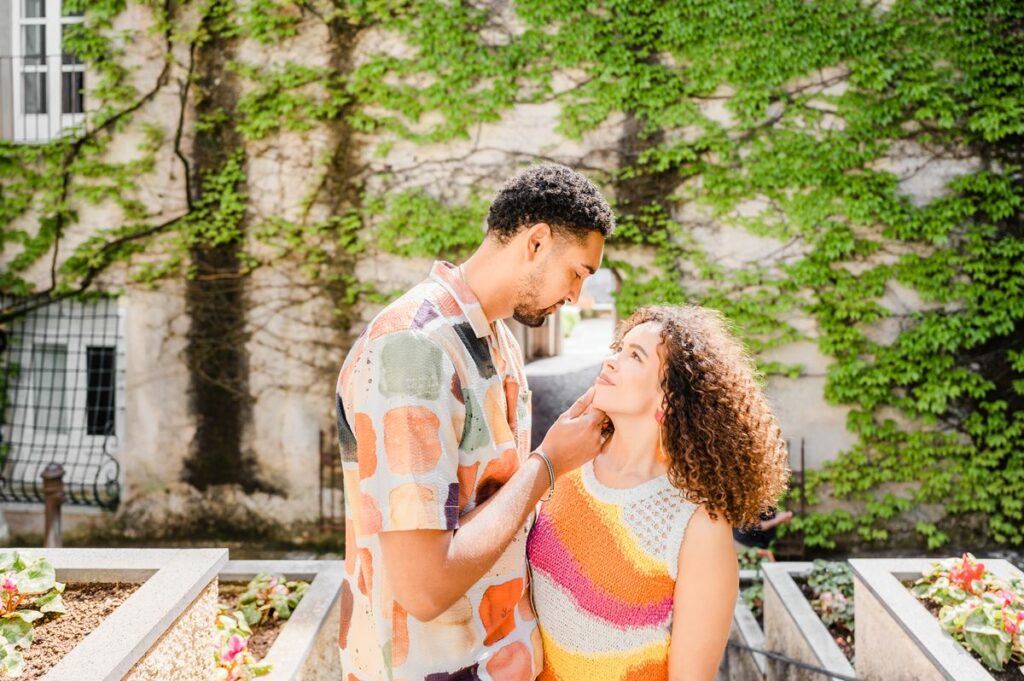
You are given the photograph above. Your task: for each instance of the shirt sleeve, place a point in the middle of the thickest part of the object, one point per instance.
(408, 418)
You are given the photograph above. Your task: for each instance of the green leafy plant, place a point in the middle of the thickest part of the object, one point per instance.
(830, 587)
(270, 596)
(751, 558)
(29, 591)
(983, 612)
(267, 597)
(570, 318)
(753, 597)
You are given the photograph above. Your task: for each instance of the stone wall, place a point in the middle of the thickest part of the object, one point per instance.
(293, 340)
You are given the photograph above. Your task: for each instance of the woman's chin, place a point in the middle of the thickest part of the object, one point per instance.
(601, 398)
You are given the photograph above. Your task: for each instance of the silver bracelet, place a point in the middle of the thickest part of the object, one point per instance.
(551, 471)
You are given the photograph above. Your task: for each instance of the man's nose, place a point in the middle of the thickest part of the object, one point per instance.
(574, 293)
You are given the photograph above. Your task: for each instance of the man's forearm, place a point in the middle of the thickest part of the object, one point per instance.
(433, 586)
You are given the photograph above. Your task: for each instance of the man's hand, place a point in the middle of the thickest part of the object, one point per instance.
(575, 437)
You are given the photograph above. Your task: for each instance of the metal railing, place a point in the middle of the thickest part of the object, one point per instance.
(62, 402)
(42, 97)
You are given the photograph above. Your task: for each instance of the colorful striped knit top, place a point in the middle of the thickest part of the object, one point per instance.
(604, 564)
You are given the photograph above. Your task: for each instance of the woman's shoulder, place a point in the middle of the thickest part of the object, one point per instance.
(708, 531)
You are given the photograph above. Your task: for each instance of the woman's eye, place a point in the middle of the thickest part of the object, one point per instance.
(635, 356)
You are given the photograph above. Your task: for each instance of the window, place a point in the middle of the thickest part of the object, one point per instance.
(49, 368)
(49, 79)
(100, 391)
(63, 381)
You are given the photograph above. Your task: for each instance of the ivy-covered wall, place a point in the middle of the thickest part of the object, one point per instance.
(842, 178)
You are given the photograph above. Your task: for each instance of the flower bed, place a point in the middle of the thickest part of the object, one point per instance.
(277, 628)
(86, 606)
(791, 625)
(128, 613)
(983, 612)
(899, 638)
(828, 587)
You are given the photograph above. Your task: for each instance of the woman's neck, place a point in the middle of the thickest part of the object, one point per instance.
(629, 457)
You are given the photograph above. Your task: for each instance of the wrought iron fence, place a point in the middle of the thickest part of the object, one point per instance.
(61, 393)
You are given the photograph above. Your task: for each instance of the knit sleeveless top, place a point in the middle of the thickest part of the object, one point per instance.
(604, 563)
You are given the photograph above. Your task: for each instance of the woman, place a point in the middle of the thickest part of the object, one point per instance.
(693, 451)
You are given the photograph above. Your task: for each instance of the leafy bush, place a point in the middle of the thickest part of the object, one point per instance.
(270, 597)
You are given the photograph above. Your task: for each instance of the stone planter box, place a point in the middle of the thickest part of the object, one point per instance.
(897, 638)
(739, 664)
(162, 631)
(306, 648)
(792, 628)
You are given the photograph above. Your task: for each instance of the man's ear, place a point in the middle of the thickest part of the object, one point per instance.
(538, 238)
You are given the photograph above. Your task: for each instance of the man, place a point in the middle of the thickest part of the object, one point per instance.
(434, 426)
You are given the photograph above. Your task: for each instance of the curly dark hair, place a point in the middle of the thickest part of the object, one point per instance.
(554, 194)
(724, 447)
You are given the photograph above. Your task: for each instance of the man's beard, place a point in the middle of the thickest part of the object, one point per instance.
(527, 310)
(529, 316)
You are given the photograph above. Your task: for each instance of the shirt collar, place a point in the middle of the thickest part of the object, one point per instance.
(448, 276)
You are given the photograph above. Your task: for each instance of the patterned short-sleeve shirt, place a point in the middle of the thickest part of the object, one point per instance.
(433, 417)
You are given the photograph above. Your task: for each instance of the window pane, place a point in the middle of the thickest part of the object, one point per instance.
(34, 44)
(49, 371)
(35, 92)
(68, 57)
(33, 9)
(72, 92)
(99, 396)
(72, 8)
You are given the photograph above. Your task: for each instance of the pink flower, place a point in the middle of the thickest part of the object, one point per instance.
(8, 584)
(236, 646)
(1008, 596)
(1012, 621)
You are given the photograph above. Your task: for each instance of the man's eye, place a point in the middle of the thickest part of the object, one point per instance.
(578, 276)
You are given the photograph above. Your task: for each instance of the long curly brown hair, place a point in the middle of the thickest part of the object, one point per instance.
(725, 450)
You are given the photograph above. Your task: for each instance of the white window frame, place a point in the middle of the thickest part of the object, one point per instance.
(43, 127)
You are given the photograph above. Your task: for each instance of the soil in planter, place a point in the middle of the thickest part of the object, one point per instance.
(1010, 673)
(54, 637)
(840, 634)
(263, 635)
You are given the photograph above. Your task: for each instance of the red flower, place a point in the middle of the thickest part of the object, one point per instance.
(966, 574)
